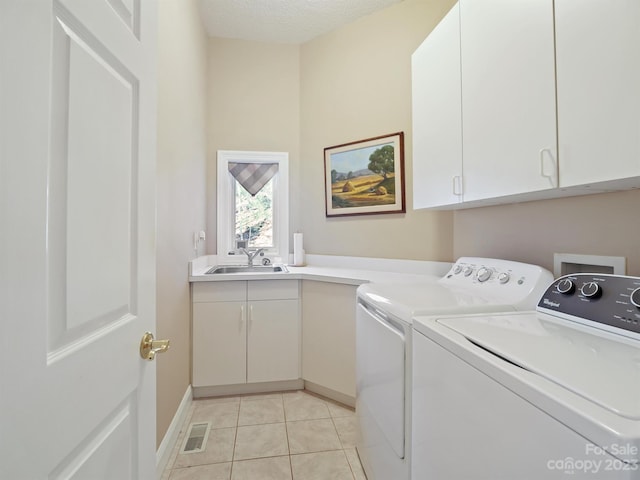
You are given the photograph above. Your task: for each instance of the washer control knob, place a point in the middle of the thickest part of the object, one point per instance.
(457, 269)
(467, 271)
(504, 277)
(635, 297)
(483, 274)
(566, 286)
(591, 290)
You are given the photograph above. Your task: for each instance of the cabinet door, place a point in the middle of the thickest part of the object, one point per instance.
(329, 335)
(508, 97)
(437, 116)
(219, 343)
(598, 58)
(273, 341)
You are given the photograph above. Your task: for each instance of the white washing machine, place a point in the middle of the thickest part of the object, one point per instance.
(548, 394)
(384, 346)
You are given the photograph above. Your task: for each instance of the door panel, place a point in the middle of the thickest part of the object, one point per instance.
(91, 192)
(105, 452)
(129, 13)
(77, 254)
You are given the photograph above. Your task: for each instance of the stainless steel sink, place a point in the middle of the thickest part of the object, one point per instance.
(248, 269)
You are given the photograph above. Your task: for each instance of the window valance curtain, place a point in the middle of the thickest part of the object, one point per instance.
(253, 176)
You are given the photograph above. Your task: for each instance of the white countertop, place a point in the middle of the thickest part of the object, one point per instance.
(332, 269)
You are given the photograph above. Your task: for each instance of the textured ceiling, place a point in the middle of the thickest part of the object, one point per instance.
(282, 21)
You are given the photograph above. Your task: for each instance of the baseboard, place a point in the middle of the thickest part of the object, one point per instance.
(247, 388)
(331, 394)
(171, 436)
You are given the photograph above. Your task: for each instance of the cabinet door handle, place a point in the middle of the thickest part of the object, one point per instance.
(457, 185)
(241, 322)
(250, 317)
(543, 171)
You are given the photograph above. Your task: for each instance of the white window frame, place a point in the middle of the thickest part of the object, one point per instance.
(226, 204)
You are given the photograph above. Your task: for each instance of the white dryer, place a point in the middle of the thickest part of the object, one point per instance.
(384, 346)
(548, 394)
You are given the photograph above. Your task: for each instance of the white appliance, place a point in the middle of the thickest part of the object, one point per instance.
(548, 394)
(384, 347)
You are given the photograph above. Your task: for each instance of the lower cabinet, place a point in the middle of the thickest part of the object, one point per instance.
(329, 338)
(245, 332)
(219, 343)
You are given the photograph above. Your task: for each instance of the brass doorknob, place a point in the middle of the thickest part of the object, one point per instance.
(149, 347)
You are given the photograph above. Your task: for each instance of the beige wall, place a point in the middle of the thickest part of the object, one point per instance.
(602, 224)
(180, 190)
(356, 84)
(253, 104)
(350, 84)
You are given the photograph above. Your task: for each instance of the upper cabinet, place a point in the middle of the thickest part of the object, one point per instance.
(508, 97)
(547, 102)
(598, 57)
(437, 119)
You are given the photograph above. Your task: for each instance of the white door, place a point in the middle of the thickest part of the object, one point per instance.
(77, 271)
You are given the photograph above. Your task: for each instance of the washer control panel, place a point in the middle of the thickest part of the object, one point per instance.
(501, 281)
(612, 300)
(499, 272)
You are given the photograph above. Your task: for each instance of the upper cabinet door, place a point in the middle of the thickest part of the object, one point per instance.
(437, 120)
(598, 57)
(508, 97)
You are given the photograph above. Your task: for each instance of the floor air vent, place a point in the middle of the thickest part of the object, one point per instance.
(196, 440)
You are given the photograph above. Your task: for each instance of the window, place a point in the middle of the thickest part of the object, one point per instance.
(254, 216)
(253, 204)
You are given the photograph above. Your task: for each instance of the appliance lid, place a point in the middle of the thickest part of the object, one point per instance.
(472, 285)
(406, 300)
(604, 368)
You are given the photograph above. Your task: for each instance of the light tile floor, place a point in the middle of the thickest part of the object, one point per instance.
(279, 436)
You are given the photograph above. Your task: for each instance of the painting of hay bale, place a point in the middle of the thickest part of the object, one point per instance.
(365, 177)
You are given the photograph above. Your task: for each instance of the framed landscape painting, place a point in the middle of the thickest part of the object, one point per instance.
(365, 177)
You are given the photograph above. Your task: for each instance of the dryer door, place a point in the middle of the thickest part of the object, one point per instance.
(380, 374)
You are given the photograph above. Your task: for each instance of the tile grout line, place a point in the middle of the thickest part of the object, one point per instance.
(282, 402)
(353, 474)
(235, 439)
(286, 430)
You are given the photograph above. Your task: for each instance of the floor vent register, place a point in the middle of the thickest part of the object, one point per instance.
(196, 440)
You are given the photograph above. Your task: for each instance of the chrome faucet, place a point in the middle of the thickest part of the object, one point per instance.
(251, 255)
